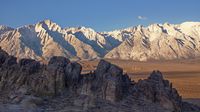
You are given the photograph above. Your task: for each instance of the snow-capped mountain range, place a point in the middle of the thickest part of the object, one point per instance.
(157, 41)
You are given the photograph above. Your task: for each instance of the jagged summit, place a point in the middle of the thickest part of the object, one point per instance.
(4, 29)
(154, 42)
(46, 21)
(47, 25)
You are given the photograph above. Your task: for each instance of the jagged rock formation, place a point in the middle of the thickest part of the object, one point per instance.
(159, 90)
(45, 39)
(40, 79)
(107, 82)
(28, 83)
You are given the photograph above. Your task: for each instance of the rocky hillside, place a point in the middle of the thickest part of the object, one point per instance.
(28, 85)
(45, 39)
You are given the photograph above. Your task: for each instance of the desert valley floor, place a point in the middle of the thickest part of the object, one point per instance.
(184, 74)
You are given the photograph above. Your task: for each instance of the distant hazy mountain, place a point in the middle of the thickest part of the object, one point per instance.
(46, 39)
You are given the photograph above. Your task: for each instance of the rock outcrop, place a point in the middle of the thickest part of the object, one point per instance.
(156, 89)
(29, 82)
(107, 82)
(40, 79)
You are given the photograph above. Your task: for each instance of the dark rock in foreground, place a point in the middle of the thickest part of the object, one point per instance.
(28, 85)
(158, 90)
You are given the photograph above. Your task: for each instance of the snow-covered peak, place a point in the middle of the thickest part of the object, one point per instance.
(47, 25)
(139, 27)
(81, 28)
(5, 28)
(87, 32)
(155, 28)
(159, 41)
(190, 28)
(189, 24)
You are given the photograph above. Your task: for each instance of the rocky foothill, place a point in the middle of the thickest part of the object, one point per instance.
(27, 85)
